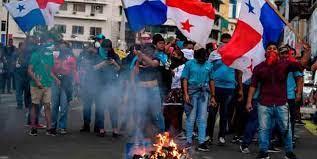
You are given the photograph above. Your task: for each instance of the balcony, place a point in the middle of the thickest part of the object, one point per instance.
(81, 15)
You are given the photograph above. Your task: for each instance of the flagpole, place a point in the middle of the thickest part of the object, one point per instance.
(284, 20)
(7, 29)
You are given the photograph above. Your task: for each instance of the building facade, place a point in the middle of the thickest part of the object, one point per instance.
(79, 21)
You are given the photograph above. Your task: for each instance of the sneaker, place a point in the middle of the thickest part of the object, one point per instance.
(210, 141)
(85, 128)
(236, 140)
(300, 122)
(33, 132)
(51, 132)
(263, 155)
(222, 141)
(101, 134)
(40, 126)
(187, 146)
(203, 147)
(273, 149)
(181, 136)
(290, 155)
(244, 149)
(63, 132)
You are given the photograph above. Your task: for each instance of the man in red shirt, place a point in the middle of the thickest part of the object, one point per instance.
(271, 77)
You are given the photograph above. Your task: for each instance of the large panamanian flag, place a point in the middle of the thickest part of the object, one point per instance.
(30, 13)
(192, 17)
(258, 24)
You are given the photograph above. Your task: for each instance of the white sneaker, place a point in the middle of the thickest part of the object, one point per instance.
(222, 141)
(181, 136)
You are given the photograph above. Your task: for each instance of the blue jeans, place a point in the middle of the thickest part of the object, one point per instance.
(197, 112)
(22, 88)
(279, 114)
(251, 125)
(223, 98)
(88, 99)
(59, 101)
(148, 102)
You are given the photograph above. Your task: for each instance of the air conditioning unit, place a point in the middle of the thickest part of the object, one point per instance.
(92, 14)
(74, 12)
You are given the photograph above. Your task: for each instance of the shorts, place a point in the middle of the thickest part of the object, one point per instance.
(41, 96)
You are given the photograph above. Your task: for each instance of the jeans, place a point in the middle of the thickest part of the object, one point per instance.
(251, 125)
(2, 82)
(22, 88)
(293, 113)
(110, 98)
(149, 103)
(223, 98)
(9, 78)
(196, 111)
(267, 114)
(60, 106)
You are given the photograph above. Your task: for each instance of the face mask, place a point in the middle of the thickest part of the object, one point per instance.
(271, 57)
(97, 44)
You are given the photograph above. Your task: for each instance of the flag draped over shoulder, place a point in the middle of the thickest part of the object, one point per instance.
(258, 24)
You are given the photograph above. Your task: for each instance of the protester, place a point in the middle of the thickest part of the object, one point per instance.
(88, 61)
(2, 70)
(39, 69)
(147, 78)
(109, 84)
(295, 81)
(9, 65)
(226, 82)
(272, 74)
(21, 77)
(65, 74)
(198, 87)
(173, 103)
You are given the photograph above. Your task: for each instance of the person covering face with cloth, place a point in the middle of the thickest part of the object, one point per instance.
(198, 87)
(272, 77)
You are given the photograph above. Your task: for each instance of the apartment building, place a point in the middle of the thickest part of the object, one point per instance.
(80, 20)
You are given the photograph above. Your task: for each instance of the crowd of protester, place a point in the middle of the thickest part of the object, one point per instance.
(157, 84)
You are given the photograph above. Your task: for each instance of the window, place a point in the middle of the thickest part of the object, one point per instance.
(95, 31)
(63, 6)
(77, 45)
(120, 10)
(78, 30)
(78, 7)
(61, 28)
(96, 9)
(3, 25)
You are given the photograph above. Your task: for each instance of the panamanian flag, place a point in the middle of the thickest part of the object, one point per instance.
(258, 24)
(30, 13)
(193, 18)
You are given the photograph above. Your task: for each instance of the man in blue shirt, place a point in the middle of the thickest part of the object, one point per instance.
(198, 87)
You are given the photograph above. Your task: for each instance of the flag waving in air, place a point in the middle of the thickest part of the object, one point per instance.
(30, 13)
(258, 24)
(192, 17)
